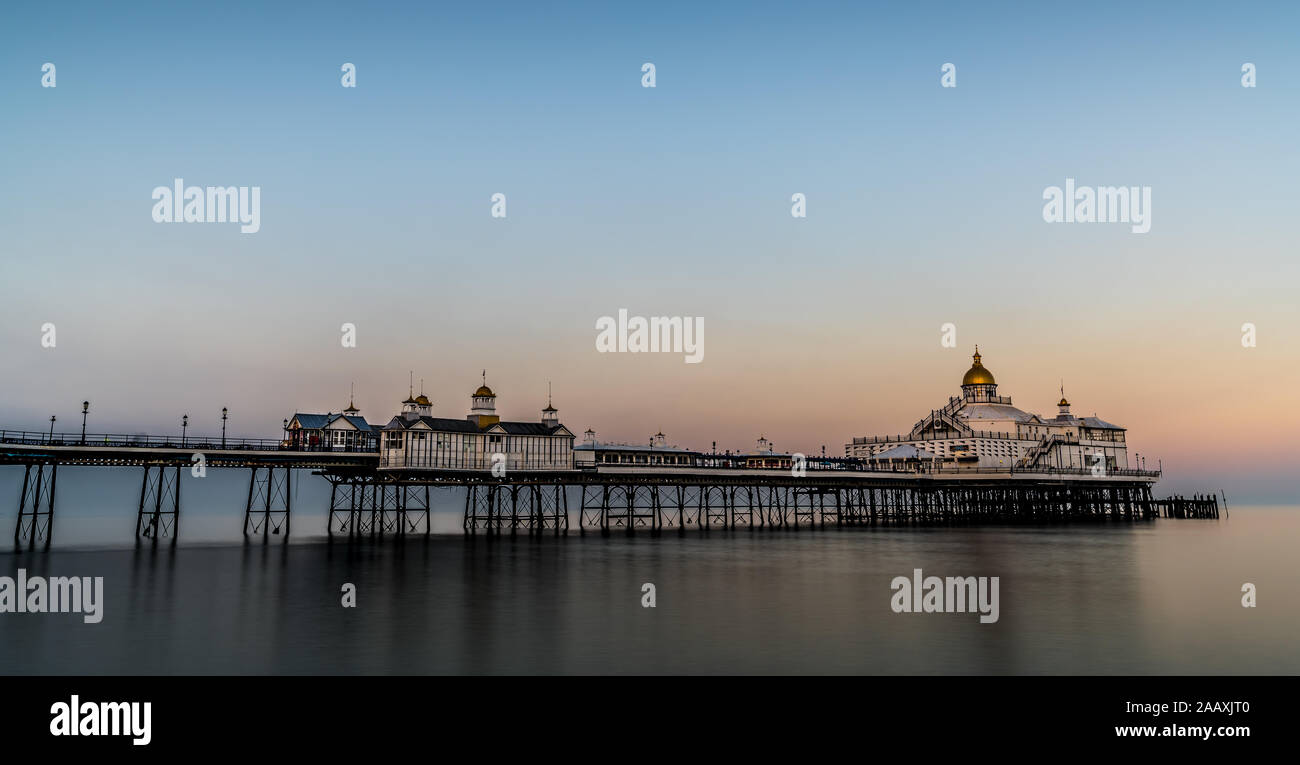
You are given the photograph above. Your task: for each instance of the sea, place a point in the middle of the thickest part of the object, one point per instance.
(1158, 597)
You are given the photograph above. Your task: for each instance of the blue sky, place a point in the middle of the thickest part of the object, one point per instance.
(923, 208)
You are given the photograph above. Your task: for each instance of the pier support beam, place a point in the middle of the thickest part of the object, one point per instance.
(409, 506)
(269, 501)
(532, 507)
(36, 505)
(159, 512)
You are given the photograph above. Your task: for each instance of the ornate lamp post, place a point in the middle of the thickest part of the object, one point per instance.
(85, 410)
(52, 419)
(185, 423)
(285, 432)
(223, 427)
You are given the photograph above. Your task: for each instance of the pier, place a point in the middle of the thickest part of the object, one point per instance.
(1198, 506)
(708, 491)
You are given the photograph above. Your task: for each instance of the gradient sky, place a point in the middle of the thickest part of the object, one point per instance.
(924, 207)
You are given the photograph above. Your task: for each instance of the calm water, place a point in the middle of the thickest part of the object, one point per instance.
(1160, 597)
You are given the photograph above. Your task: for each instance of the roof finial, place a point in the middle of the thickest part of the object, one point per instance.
(485, 377)
(410, 384)
(421, 386)
(352, 396)
(548, 392)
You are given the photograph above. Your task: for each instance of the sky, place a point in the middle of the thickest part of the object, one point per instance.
(924, 207)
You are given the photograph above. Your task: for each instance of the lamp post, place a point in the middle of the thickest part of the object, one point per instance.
(85, 410)
(223, 427)
(185, 423)
(52, 419)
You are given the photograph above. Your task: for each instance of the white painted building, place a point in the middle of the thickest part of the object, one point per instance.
(982, 429)
(415, 439)
(592, 453)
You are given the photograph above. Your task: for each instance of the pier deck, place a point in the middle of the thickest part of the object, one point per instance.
(366, 499)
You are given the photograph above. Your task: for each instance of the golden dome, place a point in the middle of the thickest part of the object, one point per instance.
(1062, 402)
(484, 390)
(423, 400)
(977, 374)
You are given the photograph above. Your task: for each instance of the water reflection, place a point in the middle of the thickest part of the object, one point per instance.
(1118, 598)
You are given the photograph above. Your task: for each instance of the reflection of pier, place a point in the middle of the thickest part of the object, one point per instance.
(708, 492)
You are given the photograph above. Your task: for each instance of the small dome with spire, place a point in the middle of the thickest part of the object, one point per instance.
(484, 390)
(1063, 405)
(977, 374)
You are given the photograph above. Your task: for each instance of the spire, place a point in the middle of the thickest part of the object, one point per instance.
(549, 416)
(409, 404)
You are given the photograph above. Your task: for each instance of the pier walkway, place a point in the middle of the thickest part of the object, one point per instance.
(713, 492)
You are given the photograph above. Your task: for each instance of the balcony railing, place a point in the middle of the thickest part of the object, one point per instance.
(449, 460)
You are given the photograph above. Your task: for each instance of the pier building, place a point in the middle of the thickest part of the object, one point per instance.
(981, 429)
(345, 431)
(592, 452)
(417, 440)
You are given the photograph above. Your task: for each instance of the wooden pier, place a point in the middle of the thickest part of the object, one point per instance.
(1198, 506)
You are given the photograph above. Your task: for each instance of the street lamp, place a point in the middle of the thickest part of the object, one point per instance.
(185, 423)
(52, 418)
(284, 434)
(85, 410)
(223, 427)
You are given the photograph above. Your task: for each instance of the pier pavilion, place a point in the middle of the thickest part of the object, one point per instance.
(346, 431)
(416, 440)
(981, 429)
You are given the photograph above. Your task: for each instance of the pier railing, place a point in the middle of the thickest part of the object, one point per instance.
(932, 437)
(706, 462)
(719, 462)
(140, 441)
